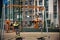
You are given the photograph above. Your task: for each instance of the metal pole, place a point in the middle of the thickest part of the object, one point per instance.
(2, 27)
(50, 19)
(46, 25)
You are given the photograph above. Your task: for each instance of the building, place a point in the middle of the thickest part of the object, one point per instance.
(59, 11)
(19, 10)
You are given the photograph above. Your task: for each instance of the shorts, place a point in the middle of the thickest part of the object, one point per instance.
(15, 27)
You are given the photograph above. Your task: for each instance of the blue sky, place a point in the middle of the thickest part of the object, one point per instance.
(4, 1)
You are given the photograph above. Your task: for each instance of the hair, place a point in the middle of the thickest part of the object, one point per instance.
(37, 16)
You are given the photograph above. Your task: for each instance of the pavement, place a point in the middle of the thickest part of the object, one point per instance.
(32, 35)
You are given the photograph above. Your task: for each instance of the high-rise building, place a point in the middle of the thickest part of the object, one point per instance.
(59, 11)
(25, 10)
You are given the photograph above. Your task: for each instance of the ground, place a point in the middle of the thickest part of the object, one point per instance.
(32, 35)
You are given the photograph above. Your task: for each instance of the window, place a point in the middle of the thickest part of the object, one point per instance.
(16, 9)
(55, 15)
(26, 2)
(46, 2)
(21, 2)
(26, 12)
(55, 7)
(16, 1)
(35, 2)
(40, 14)
(35, 10)
(46, 15)
(30, 11)
(46, 9)
(11, 1)
(30, 0)
(55, 1)
(26, 9)
(30, 3)
(40, 2)
(23, 9)
(11, 15)
(48, 23)
(46, 5)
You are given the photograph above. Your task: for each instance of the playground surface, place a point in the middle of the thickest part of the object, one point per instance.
(32, 35)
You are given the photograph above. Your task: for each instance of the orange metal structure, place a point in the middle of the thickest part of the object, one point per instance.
(24, 6)
(28, 6)
(36, 22)
(8, 26)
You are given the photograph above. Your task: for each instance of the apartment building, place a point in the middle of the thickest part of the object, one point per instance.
(21, 11)
(59, 11)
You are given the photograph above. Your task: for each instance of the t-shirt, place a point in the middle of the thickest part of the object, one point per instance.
(15, 24)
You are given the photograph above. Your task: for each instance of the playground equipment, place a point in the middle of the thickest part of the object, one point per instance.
(7, 27)
(35, 19)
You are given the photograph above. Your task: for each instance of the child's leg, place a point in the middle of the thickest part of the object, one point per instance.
(12, 28)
